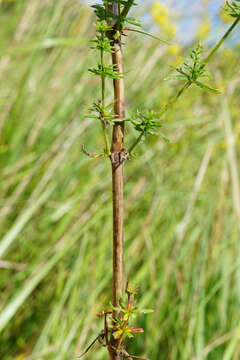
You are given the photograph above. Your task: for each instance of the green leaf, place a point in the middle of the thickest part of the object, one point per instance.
(129, 334)
(106, 71)
(117, 334)
(176, 77)
(115, 308)
(90, 116)
(164, 137)
(133, 21)
(149, 34)
(232, 8)
(206, 87)
(194, 67)
(146, 311)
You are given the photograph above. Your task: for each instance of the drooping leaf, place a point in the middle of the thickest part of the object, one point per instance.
(176, 77)
(207, 87)
(166, 139)
(146, 311)
(133, 21)
(149, 34)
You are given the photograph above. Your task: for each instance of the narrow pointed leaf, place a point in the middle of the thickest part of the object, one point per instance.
(206, 87)
(149, 34)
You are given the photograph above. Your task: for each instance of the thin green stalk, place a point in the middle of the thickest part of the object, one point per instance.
(103, 82)
(175, 99)
(221, 41)
(107, 144)
(126, 9)
(123, 14)
(130, 150)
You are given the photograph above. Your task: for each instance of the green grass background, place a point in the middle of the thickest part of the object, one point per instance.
(182, 205)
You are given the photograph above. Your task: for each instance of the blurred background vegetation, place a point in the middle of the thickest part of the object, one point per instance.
(182, 203)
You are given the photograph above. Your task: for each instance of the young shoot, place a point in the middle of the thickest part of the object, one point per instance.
(117, 325)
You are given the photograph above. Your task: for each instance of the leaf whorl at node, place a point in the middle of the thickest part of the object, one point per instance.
(192, 69)
(117, 325)
(232, 8)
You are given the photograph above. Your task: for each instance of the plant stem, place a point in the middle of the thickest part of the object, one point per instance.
(117, 167)
(132, 147)
(117, 178)
(103, 81)
(221, 41)
(175, 99)
(103, 108)
(124, 12)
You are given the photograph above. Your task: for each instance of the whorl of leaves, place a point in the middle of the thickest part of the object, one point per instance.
(104, 13)
(147, 123)
(232, 8)
(194, 68)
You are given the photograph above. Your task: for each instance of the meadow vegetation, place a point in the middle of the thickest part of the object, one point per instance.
(182, 198)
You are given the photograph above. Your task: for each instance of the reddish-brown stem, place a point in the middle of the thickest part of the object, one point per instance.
(117, 178)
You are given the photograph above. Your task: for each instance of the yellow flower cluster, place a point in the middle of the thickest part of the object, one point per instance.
(160, 14)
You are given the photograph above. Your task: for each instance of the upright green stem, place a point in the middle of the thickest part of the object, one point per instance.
(221, 41)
